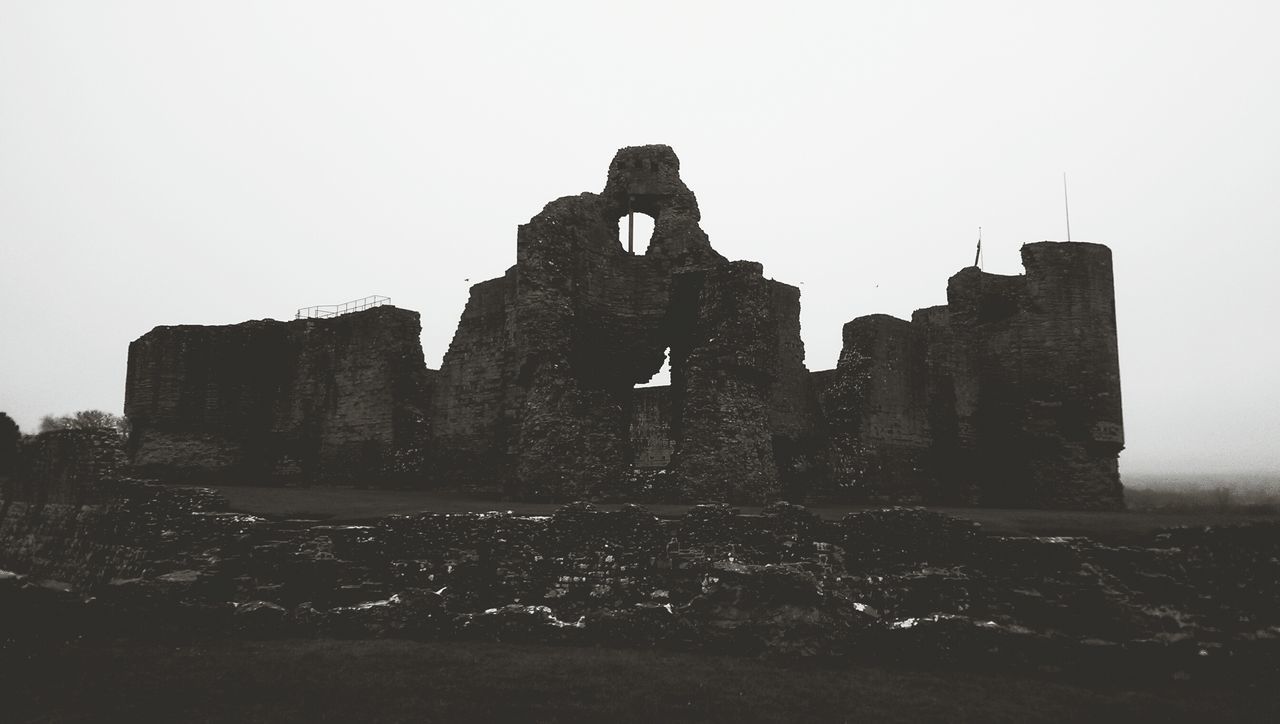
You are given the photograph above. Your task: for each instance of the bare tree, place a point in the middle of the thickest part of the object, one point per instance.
(86, 420)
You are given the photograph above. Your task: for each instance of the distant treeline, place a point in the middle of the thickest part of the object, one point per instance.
(1257, 494)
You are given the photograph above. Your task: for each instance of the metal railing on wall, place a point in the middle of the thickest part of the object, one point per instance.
(321, 311)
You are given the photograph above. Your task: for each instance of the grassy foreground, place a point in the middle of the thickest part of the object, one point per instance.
(392, 681)
(347, 504)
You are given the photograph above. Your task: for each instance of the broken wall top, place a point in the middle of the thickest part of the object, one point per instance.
(646, 179)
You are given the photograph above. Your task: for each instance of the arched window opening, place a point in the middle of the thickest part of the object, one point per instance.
(639, 235)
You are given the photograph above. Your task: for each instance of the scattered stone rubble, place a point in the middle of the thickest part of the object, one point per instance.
(893, 584)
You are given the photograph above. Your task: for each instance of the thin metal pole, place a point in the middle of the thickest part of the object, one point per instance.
(978, 253)
(631, 228)
(1065, 204)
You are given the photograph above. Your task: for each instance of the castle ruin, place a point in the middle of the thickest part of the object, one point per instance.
(1007, 395)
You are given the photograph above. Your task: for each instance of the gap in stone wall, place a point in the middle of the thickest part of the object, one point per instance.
(643, 232)
(663, 376)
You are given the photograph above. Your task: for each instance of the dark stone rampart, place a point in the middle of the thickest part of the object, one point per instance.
(728, 368)
(651, 441)
(338, 399)
(1036, 379)
(472, 439)
(877, 411)
(540, 380)
(63, 466)
(1009, 395)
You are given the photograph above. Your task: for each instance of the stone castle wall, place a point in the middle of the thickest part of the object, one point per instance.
(1007, 395)
(1038, 378)
(343, 398)
(539, 382)
(651, 438)
(471, 440)
(60, 514)
(63, 466)
(877, 413)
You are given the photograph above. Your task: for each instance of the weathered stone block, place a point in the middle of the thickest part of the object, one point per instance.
(343, 398)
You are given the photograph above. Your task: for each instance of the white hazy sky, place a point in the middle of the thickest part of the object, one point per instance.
(172, 162)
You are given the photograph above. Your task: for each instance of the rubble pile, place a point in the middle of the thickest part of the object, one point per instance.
(898, 584)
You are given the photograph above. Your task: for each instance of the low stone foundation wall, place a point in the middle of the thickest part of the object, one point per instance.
(889, 584)
(63, 466)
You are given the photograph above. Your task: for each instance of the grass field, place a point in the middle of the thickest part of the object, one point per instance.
(351, 504)
(407, 681)
(400, 681)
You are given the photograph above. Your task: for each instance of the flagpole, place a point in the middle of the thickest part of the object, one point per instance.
(1065, 205)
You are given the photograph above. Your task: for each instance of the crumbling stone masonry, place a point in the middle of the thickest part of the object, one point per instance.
(1007, 395)
(1036, 378)
(332, 399)
(538, 392)
(64, 466)
(893, 585)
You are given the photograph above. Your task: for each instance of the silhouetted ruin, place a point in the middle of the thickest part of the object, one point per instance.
(1007, 395)
(312, 399)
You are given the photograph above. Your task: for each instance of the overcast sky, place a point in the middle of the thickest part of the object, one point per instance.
(174, 162)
